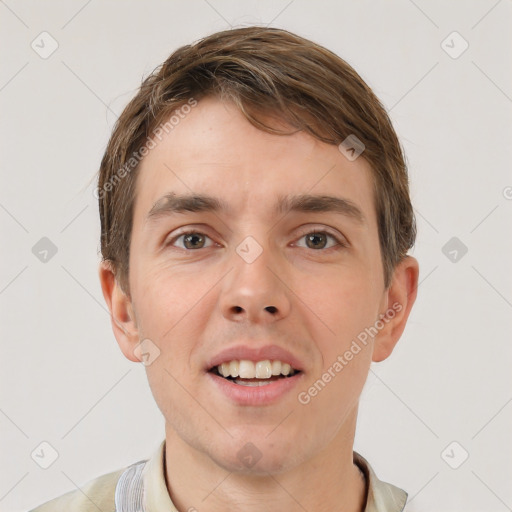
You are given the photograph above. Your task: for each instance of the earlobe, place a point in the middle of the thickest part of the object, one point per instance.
(401, 296)
(122, 315)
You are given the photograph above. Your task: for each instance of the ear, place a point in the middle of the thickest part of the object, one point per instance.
(397, 304)
(122, 316)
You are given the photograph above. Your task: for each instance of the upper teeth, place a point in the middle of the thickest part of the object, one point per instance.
(248, 370)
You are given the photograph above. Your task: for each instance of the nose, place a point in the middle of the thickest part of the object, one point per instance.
(255, 292)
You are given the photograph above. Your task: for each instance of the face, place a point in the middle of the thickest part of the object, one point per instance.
(252, 253)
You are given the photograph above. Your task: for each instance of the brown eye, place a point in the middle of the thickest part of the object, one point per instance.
(316, 240)
(319, 240)
(192, 241)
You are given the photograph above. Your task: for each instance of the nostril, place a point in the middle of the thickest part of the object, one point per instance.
(237, 309)
(271, 309)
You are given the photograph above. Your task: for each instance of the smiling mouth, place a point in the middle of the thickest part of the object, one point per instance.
(248, 373)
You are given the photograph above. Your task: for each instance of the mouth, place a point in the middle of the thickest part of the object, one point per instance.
(254, 374)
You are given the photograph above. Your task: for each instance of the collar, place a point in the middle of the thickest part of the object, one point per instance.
(381, 496)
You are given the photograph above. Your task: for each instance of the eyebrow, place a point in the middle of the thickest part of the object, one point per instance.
(321, 204)
(172, 203)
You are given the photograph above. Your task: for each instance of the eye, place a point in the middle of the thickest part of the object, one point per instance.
(319, 240)
(192, 240)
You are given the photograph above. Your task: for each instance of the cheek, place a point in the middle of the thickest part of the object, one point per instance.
(165, 296)
(172, 311)
(335, 393)
(345, 304)
(341, 303)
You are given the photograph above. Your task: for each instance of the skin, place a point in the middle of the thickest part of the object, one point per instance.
(193, 303)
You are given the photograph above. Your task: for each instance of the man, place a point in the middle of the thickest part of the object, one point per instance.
(255, 219)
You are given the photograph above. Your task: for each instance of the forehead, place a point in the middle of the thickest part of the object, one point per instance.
(213, 150)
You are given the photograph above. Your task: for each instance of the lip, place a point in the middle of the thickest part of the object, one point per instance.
(269, 352)
(256, 395)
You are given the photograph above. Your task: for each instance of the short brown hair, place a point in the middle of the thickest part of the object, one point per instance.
(262, 70)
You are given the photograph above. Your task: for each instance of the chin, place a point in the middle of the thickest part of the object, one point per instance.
(258, 455)
(262, 466)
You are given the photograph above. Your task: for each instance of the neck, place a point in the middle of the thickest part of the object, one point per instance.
(328, 481)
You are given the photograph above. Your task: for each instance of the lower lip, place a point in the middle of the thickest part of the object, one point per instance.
(255, 395)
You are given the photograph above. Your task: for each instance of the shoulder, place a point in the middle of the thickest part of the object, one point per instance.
(95, 494)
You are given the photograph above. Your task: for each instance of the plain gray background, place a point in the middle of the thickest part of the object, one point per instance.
(63, 379)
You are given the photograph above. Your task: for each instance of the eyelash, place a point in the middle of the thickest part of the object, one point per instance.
(339, 243)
